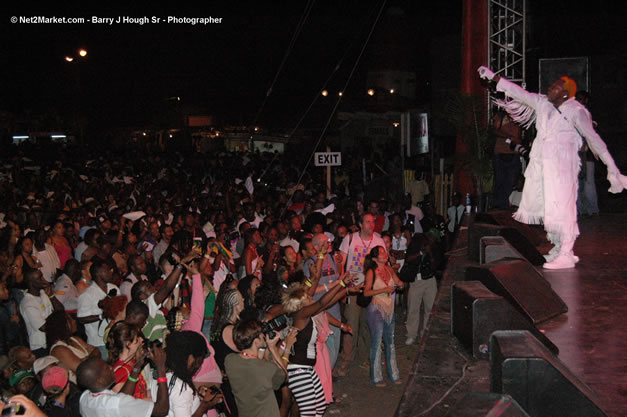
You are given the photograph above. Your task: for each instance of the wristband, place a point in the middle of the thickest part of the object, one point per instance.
(180, 267)
(308, 283)
(130, 378)
(342, 283)
(285, 358)
(326, 287)
(162, 379)
(206, 256)
(321, 256)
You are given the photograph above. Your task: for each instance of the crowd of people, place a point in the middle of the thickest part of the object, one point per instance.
(189, 284)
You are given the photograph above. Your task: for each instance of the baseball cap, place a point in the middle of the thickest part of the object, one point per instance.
(83, 230)
(54, 380)
(18, 376)
(43, 362)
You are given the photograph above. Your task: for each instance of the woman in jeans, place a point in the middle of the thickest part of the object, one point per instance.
(381, 282)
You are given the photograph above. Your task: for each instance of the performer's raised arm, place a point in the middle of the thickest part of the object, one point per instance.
(583, 122)
(521, 104)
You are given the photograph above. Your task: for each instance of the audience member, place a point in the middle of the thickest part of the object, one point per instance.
(381, 284)
(38, 303)
(64, 345)
(253, 378)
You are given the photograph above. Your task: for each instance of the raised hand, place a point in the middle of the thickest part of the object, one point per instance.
(290, 339)
(158, 358)
(191, 255)
(485, 73)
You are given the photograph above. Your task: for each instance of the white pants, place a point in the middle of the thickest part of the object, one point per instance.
(420, 291)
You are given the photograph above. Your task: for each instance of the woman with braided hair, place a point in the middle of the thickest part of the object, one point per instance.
(229, 304)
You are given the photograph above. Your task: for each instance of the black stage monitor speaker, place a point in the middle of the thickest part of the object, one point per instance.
(495, 248)
(524, 368)
(476, 312)
(551, 69)
(512, 235)
(522, 285)
(486, 404)
(535, 234)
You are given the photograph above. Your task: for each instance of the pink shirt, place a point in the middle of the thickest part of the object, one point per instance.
(64, 253)
(209, 371)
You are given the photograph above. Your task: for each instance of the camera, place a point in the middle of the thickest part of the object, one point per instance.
(13, 409)
(231, 236)
(276, 323)
(149, 344)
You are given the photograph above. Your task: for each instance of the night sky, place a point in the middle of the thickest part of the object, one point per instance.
(226, 68)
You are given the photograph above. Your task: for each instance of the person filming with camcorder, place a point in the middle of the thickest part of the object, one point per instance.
(258, 369)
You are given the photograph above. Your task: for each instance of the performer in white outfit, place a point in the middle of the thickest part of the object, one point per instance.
(550, 190)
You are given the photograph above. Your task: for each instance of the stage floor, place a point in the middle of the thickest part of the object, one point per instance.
(591, 337)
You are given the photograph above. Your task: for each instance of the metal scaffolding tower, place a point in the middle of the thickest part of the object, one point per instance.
(507, 39)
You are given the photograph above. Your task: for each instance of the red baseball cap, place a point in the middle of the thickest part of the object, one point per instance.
(55, 379)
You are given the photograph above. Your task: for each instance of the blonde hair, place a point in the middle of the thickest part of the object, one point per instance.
(294, 297)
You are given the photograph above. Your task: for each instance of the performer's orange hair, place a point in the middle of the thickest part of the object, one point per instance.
(569, 85)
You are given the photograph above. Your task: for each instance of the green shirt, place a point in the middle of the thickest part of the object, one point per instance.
(210, 304)
(156, 323)
(253, 382)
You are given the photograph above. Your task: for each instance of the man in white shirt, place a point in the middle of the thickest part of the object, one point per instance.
(137, 266)
(38, 303)
(89, 312)
(250, 216)
(65, 286)
(48, 258)
(414, 215)
(166, 232)
(354, 249)
(99, 401)
(153, 323)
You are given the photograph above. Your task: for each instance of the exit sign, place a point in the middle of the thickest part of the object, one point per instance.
(328, 159)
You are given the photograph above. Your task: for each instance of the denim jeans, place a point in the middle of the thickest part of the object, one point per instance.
(206, 328)
(381, 330)
(333, 344)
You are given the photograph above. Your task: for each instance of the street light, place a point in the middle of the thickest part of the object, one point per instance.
(371, 92)
(325, 93)
(80, 53)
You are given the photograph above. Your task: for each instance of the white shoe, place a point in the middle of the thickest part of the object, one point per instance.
(410, 341)
(563, 261)
(553, 253)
